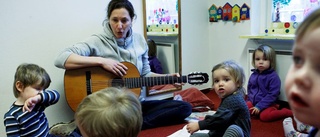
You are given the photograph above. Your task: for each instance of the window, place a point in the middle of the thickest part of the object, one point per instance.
(292, 10)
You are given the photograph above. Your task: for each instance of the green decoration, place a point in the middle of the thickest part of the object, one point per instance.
(283, 2)
(177, 6)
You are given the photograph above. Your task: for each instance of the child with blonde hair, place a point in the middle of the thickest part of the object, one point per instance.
(26, 115)
(264, 86)
(110, 112)
(302, 83)
(232, 117)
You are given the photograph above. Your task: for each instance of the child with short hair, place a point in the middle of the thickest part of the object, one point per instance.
(110, 112)
(154, 62)
(264, 86)
(26, 116)
(302, 83)
(232, 117)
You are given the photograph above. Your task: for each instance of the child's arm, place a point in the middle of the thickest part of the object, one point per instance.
(192, 127)
(46, 98)
(31, 102)
(222, 117)
(12, 126)
(49, 97)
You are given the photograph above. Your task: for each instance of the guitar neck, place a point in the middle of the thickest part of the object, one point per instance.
(147, 81)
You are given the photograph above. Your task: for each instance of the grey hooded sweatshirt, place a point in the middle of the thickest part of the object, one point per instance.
(132, 49)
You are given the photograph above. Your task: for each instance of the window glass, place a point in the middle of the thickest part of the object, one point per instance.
(162, 12)
(292, 10)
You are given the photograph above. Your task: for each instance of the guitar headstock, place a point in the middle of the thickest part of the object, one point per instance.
(195, 78)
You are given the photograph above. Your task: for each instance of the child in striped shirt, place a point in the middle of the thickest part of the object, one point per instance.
(26, 115)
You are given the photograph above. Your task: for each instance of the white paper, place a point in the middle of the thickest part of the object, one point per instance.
(184, 132)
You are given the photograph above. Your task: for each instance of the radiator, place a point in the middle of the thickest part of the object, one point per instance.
(165, 53)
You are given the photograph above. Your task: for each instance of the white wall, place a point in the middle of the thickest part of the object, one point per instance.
(205, 44)
(195, 37)
(35, 31)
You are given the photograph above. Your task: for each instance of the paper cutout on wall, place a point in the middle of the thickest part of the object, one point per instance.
(220, 11)
(236, 13)
(213, 13)
(229, 13)
(245, 12)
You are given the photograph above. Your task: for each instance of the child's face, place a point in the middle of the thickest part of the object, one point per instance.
(303, 79)
(260, 62)
(223, 83)
(27, 91)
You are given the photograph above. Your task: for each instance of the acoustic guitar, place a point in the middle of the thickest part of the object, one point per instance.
(78, 83)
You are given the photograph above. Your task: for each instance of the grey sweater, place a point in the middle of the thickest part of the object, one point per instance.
(132, 49)
(232, 110)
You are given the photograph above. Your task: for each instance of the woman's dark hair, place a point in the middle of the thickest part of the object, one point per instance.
(117, 4)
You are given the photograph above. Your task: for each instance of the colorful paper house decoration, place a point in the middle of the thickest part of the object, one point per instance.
(236, 13)
(219, 13)
(227, 12)
(245, 12)
(213, 13)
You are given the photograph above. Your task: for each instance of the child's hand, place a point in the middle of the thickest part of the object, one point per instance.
(30, 103)
(254, 111)
(193, 127)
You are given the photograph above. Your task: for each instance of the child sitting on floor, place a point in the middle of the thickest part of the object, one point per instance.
(264, 86)
(155, 64)
(109, 112)
(232, 118)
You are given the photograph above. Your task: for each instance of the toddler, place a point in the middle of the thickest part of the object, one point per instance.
(232, 117)
(302, 83)
(26, 115)
(110, 112)
(154, 62)
(264, 86)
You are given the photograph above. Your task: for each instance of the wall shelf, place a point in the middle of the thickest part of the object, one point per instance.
(270, 36)
(162, 33)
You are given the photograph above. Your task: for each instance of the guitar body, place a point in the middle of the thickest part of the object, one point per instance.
(76, 82)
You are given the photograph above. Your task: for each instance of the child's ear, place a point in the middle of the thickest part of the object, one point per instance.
(19, 86)
(238, 85)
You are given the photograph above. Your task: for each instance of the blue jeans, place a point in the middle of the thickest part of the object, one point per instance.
(158, 113)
